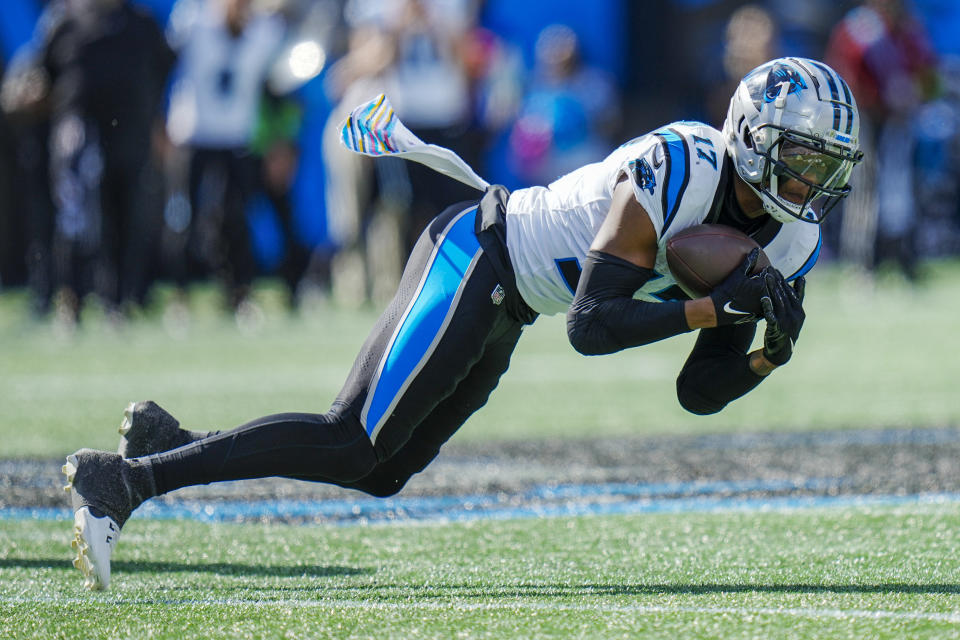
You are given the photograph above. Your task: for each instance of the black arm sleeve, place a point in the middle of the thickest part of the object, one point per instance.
(717, 370)
(605, 318)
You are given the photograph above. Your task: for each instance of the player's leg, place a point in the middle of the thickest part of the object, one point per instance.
(429, 338)
(147, 428)
(238, 265)
(395, 379)
(390, 476)
(434, 349)
(479, 327)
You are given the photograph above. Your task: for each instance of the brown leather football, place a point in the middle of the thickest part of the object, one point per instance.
(702, 256)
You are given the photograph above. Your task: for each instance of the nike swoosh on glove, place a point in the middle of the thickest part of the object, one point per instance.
(737, 299)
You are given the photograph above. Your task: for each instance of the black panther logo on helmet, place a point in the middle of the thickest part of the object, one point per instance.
(779, 75)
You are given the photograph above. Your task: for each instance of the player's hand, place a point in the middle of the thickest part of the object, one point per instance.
(783, 311)
(737, 299)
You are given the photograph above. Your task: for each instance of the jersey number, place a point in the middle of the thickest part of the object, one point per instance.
(705, 150)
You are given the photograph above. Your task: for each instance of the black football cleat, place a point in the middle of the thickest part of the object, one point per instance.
(102, 493)
(146, 429)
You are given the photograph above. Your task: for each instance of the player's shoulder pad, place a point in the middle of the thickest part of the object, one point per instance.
(795, 248)
(675, 171)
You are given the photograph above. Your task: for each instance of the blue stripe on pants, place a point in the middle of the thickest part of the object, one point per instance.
(424, 320)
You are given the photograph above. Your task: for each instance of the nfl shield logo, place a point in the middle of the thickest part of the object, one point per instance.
(498, 295)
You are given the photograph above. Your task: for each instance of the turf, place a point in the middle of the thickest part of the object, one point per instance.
(852, 573)
(869, 355)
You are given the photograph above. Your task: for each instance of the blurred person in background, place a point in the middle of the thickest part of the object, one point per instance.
(11, 256)
(431, 92)
(497, 80)
(938, 165)
(415, 49)
(569, 114)
(28, 197)
(367, 203)
(102, 66)
(882, 49)
(276, 147)
(225, 50)
(750, 37)
(288, 216)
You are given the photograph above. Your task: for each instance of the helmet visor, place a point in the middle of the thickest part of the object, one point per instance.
(810, 178)
(814, 168)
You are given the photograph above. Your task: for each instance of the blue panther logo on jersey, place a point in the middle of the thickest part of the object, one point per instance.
(643, 175)
(779, 75)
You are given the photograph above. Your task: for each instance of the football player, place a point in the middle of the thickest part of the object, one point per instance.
(591, 245)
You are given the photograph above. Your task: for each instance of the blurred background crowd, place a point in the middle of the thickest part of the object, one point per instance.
(185, 141)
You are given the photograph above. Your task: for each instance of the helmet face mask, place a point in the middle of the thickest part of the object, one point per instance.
(819, 175)
(792, 131)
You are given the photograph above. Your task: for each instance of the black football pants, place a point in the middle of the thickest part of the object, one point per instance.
(432, 359)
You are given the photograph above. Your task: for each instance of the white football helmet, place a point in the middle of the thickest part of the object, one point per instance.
(794, 119)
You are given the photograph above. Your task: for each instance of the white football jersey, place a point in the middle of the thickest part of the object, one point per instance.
(675, 172)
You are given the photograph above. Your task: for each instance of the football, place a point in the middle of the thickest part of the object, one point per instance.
(702, 256)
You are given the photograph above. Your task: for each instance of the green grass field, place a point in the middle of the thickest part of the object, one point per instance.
(883, 357)
(878, 358)
(862, 573)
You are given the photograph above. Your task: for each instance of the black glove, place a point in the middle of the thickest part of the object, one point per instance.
(737, 299)
(783, 311)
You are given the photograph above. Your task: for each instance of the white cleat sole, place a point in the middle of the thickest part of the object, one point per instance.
(127, 423)
(93, 539)
(69, 470)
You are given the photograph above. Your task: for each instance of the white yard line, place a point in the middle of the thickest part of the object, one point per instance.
(510, 605)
